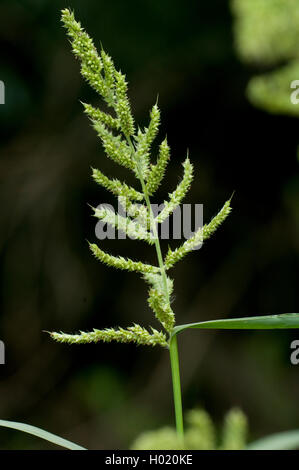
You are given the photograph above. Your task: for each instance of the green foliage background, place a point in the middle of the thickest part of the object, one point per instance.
(103, 396)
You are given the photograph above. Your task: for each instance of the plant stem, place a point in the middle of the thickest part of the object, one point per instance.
(153, 224)
(173, 345)
(176, 384)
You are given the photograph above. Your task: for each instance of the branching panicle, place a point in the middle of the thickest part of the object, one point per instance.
(132, 150)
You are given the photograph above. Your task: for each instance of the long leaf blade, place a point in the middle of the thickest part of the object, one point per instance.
(287, 440)
(48, 436)
(265, 322)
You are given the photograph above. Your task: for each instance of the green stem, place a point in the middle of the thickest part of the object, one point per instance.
(173, 345)
(153, 224)
(156, 238)
(176, 384)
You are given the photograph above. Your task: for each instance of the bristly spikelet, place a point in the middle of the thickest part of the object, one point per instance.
(109, 72)
(96, 115)
(178, 195)
(161, 309)
(119, 262)
(132, 149)
(115, 147)
(133, 334)
(137, 211)
(142, 154)
(157, 171)
(122, 107)
(158, 301)
(134, 230)
(85, 51)
(152, 130)
(203, 233)
(116, 187)
(210, 228)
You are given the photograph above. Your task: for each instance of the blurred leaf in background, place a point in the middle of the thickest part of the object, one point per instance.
(200, 434)
(267, 35)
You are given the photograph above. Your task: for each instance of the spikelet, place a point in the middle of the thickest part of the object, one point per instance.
(116, 187)
(152, 130)
(85, 51)
(109, 71)
(133, 334)
(210, 228)
(142, 154)
(162, 310)
(123, 108)
(139, 212)
(158, 302)
(96, 115)
(119, 262)
(115, 147)
(131, 228)
(177, 196)
(157, 171)
(173, 256)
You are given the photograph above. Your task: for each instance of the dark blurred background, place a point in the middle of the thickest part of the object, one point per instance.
(102, 396)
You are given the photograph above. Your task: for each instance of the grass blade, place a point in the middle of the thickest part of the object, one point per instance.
(41, 433)
(265, 322)
(287, 440)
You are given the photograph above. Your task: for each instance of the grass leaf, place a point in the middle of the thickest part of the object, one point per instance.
(287, 440)
(265, 322)
(41, 433)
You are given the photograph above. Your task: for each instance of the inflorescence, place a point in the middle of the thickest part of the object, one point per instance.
(131, 147)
